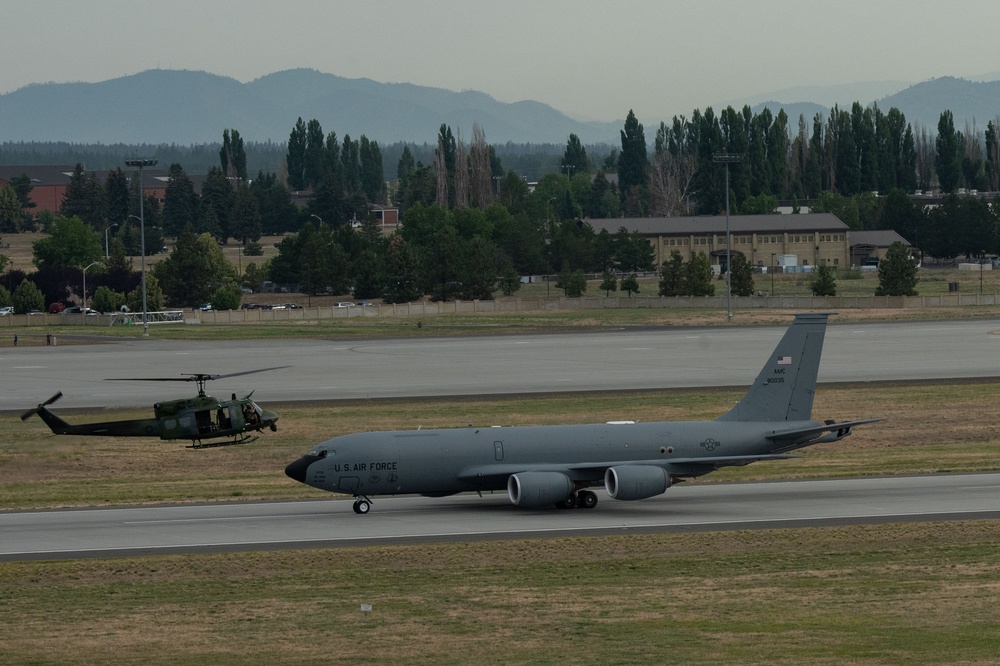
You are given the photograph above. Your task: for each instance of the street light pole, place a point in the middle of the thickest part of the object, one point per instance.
(106, 230)
(139, 164)
(94, 263)
(728, 159)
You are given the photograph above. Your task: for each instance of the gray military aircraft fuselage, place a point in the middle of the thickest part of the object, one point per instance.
(555, 465)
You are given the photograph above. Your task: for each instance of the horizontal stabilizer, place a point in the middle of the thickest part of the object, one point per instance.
(799, 437)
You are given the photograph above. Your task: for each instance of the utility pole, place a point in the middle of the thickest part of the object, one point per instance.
(139, 164)
(727, 159)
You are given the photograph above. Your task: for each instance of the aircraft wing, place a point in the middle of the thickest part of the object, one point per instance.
(788, 440)
(594, 471)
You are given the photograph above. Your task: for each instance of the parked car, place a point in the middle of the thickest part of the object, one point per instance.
(364, 304)
(291, 306)
(343, 304)
(6, 310)
(76, 309)
(57, 307)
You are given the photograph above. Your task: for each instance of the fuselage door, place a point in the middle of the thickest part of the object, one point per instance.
(498, 450)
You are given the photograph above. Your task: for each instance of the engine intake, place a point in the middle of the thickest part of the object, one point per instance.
(537, 489)
(635, 482)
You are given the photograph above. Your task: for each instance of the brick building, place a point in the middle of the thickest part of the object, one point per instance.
(816, 239)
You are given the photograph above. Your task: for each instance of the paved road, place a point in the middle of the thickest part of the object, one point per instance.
(332, 523)
(330, 370)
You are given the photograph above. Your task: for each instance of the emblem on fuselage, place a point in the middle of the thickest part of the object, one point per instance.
(710, 444)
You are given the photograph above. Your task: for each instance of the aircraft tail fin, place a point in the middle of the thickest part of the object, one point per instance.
(784, 389)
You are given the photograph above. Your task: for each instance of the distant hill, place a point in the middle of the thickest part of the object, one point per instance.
(921, 103)
(967, 100)
(185, 107)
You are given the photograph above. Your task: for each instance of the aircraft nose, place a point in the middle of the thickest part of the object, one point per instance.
(297, 470)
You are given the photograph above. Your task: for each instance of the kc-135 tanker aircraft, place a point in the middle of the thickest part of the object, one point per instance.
(555, 465)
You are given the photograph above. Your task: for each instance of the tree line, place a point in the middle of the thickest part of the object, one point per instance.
(465, 214)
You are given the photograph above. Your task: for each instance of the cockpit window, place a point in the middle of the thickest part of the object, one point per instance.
(321, 452)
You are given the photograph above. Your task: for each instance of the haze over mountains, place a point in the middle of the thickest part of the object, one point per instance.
(188, 107)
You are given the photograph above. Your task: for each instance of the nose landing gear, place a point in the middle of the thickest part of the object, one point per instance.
(362, 505)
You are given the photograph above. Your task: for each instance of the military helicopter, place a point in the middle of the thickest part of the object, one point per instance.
(199, 418)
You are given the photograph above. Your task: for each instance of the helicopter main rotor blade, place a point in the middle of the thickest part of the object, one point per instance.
(194, 376)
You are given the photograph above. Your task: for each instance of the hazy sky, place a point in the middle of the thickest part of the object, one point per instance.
(591, 59)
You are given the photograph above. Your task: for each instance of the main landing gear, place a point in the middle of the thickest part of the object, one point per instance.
(585, 499)
(362, 505)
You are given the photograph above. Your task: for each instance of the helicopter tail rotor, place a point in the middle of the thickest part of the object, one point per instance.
(31, 412)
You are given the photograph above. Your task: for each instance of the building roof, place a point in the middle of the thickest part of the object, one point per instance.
(44, 174)
(716, 224)
(880, 238)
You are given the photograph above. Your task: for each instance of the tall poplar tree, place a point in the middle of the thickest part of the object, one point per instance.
(948, 156)
(633, 164)
(295, 160)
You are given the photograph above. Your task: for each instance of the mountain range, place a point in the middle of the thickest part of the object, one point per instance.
(189, 107)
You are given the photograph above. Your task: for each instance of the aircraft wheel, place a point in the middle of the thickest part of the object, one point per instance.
(567, 503)
(586, 499)
(362, 506)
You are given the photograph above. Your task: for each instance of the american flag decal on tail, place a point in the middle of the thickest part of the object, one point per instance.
(784, 360)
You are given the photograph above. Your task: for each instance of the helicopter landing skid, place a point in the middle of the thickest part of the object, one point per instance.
(211, 445)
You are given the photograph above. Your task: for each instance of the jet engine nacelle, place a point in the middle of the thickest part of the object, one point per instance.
(635, 482)
(536, 489)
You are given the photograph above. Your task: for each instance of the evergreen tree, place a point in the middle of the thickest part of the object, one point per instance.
(372, 179)
(480, 269)
(245, 219)
(897, 273)
(741, 279)
(216, 205)
(369, 274)
(27, 297)
(609, 282)
(572, 282)
(574, 158)
(698, 276)
(402, 268)
(180, 202)
(119, 197)
(824, 282)
(84, 198)
(510, 280)
(673, 275)
(630, 283)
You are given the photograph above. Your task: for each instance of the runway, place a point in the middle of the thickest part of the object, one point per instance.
(496, 365)
(332, 523)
